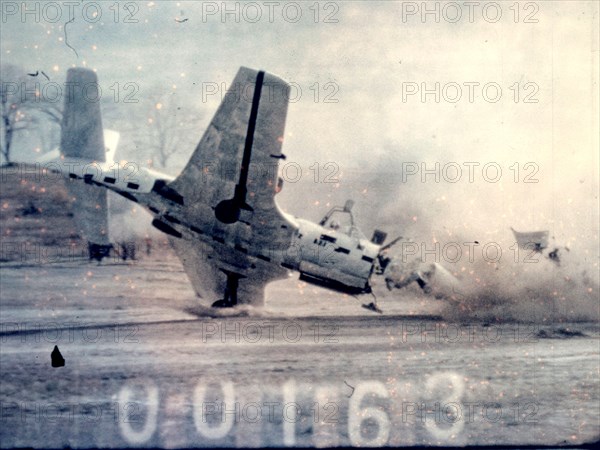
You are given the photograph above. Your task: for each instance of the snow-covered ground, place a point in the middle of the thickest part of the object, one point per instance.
(149, 364)
(310, 368)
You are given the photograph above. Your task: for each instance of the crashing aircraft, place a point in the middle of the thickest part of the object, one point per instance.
(220, 212)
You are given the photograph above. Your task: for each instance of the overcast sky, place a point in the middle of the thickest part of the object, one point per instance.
(369, 57)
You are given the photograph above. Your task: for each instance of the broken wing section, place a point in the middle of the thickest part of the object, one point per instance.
(537, 241)
(532, 240)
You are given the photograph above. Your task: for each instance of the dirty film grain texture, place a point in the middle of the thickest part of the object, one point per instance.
(466, 132)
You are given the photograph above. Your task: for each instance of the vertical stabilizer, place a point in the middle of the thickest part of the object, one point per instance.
(82, 134)
(82, 138)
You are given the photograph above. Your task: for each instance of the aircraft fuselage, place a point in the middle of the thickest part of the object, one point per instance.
(338, 259)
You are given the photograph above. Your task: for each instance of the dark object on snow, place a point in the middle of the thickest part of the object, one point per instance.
(553, 255)
(57, 358)
(560, 333)
(98, 251)
(30, 210)
(372, 307)
(127, 250)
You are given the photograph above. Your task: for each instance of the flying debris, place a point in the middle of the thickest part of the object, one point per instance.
(224, 225)
(37, 73)
(432, 278)
(538, 242)
(532, 240)
(553, 256)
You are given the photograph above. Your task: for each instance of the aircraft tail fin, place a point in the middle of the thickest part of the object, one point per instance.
(82, 138)
(82, 133)
(111, 140)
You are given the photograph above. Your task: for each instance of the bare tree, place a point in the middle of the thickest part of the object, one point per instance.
(21, 102)
(13, 99)
(171, 126)
(49, 135)
(49, 117)
(161, 126)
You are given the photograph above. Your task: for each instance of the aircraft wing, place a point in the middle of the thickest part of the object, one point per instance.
(227, 190)
(204, 268)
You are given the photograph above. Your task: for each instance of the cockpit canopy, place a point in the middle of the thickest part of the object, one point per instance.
(341, 220)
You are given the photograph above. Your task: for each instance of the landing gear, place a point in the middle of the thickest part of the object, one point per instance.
(230, 297)
(373, 305)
